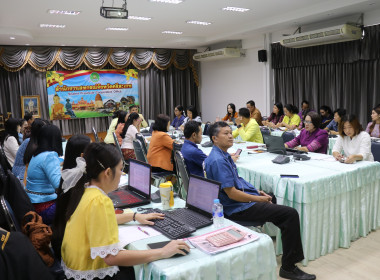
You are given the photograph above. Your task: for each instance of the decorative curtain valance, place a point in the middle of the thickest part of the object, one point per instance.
(13, 59)
(347, 52)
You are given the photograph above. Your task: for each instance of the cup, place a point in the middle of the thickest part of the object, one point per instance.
(166, 193)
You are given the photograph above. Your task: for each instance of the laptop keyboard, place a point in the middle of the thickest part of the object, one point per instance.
(170, 227)
(125, 198)
(189, 217)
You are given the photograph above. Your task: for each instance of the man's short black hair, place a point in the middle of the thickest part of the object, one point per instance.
(133, 106)
(251, 102)
(161, 123)
(244, 112)
(190, 128)
(215, 128)
(28, 116)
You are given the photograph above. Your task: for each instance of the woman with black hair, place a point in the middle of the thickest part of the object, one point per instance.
(179, 117)
(276, 117)
(326, 115)
(231, 113)
(120, 125)
(109, 137)
(192, 115)
(90, 240)
(161, 145)
(291, 119)
(131, 127)
(27, 149)
(10, 140)
(44, 172)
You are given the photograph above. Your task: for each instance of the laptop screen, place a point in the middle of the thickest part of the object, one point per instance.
(202, 192)
(139, 176)
(274, 144)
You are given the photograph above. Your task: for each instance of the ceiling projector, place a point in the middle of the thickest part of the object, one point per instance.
(114, 12)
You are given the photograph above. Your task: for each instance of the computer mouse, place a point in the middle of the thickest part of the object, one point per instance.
(180, 255)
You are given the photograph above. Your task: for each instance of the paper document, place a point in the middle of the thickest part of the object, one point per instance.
(132, 233)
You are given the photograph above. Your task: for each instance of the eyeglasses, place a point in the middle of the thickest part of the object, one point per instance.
(307, 122)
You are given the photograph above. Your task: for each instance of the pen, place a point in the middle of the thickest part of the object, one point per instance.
(140, 229)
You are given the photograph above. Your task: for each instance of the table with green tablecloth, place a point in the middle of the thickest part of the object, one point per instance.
(337, 202)
(255, 260)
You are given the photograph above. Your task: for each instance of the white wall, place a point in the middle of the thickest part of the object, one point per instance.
(234, 80)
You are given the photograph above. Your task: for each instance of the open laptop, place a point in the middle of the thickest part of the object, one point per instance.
(137, 192)
(199, 202)
(275, 145)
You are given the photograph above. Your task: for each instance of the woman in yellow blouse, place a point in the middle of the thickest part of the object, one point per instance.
(90, 246)
(291, 119)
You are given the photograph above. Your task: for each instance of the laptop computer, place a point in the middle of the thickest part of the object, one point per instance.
(200, 198)
(275, 145)
(137, 191)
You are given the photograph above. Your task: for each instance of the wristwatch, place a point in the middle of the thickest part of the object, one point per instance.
(239, 126)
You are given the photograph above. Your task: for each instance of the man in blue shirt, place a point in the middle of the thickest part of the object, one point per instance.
(193, 156)
(243, 202)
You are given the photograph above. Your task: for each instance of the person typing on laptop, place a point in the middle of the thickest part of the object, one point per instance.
(243, 202)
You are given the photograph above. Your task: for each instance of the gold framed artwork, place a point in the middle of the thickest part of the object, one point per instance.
(31, 104)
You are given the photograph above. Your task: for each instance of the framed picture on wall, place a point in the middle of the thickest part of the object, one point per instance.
(30, 104)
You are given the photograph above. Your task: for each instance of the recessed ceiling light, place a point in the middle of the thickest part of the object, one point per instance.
(139, 18)
(12, 38)
(45, 25)
(235, 9)
(116, 29)
(27, 44)
(167, 1)
(198, 22)
(172, 32)
(69, 13)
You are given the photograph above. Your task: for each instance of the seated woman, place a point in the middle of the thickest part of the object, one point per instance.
(276, 117)
(109, 137)
(352, 141)
(161, 145)
(326, 115)
(231, 113)
(192, 115)
(373, 128)
(19, 165)
(10, 141)
(120, 125)
(291, 119)
(312, 138)
(333, 126)
(44, 172)
(131, 127)
(90, 240)
(179, 117)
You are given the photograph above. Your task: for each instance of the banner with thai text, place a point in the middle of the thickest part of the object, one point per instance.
(90, 93)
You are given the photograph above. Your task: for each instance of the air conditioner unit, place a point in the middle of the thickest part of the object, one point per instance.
(218, 54)
(336, 34)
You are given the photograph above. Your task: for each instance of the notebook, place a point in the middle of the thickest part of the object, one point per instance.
(276, 145)
(200, 198)
(137, 191)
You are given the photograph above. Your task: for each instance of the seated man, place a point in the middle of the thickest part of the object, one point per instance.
(242, 202)
(193, 156)
(248, 129)
(135, 109)
(254, 112)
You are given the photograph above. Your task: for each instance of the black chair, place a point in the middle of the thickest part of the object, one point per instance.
(125, 164)
(140, 137)
(375, 149)
(182, 171)
(95, 135)
(205, 130)
(4, 161)
(287, 136)
(11, 222)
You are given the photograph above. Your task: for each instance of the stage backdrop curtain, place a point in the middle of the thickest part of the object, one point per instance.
(339, 75)
(166, 78)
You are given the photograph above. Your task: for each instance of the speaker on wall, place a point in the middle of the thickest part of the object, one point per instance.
(262, 55)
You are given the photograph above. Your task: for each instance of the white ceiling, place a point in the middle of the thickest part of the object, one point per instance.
(21, 19)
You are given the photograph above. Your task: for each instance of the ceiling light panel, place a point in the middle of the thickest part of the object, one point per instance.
(172, 32)
(45, 25)
(116, 29)
(198, 22)
(236, 9)
(167, 1)
(139, 18)
(68, 13)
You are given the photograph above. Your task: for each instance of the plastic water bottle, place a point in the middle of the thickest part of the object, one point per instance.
(217, 214)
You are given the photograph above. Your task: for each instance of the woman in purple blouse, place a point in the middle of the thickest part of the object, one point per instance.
(312, 138)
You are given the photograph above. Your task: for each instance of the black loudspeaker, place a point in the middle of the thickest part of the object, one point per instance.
(262, 55)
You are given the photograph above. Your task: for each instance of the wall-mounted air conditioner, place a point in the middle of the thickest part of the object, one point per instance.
(218, 54)
(336, 34)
